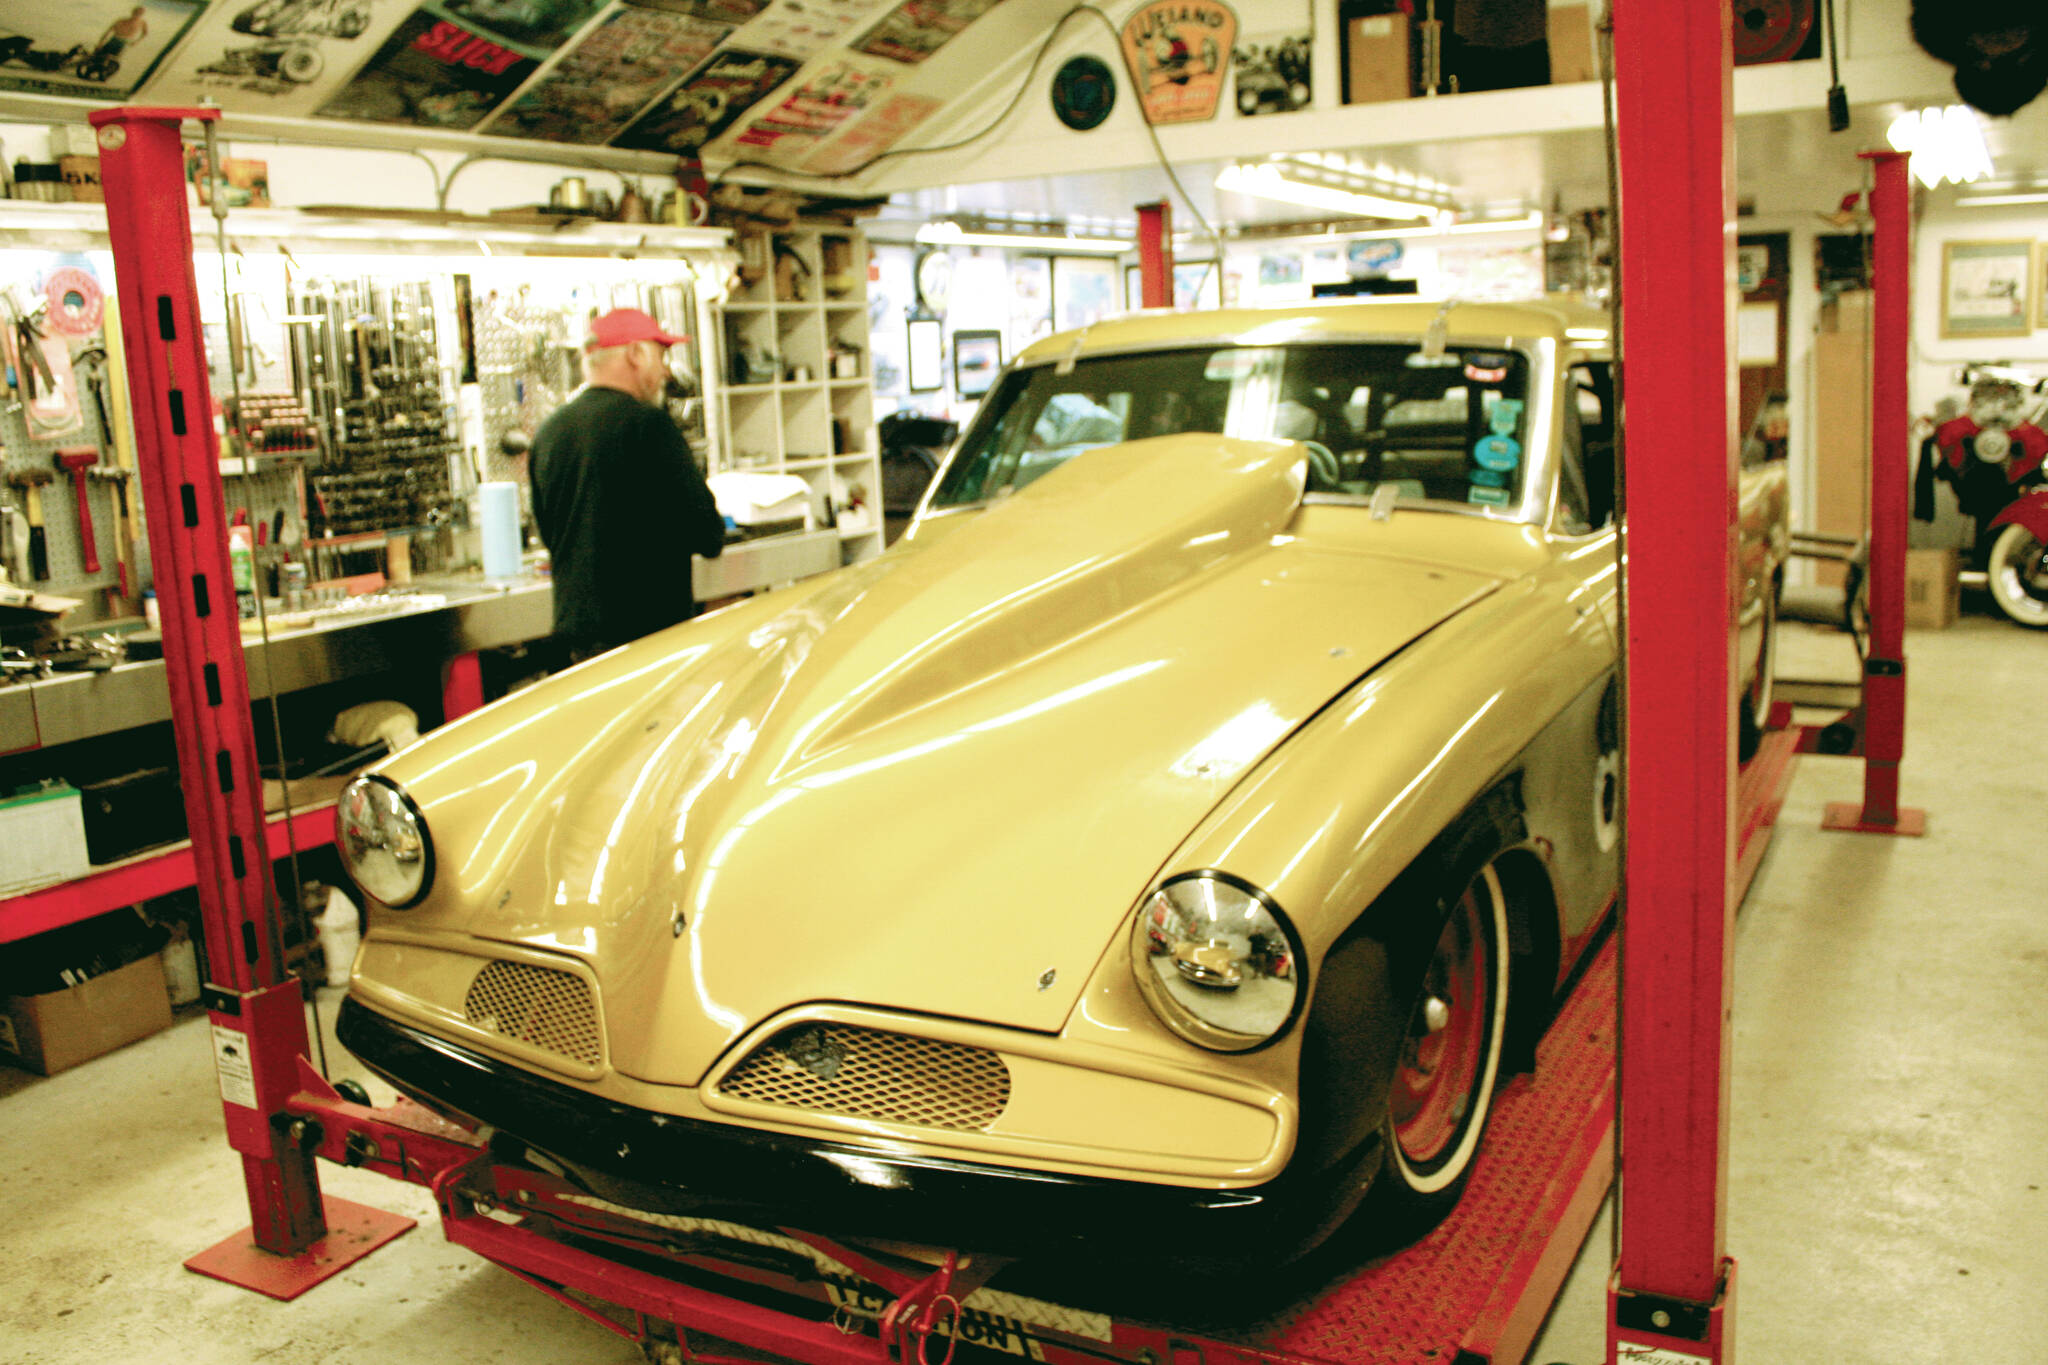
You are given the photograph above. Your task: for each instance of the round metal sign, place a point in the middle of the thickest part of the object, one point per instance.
(1083, 92)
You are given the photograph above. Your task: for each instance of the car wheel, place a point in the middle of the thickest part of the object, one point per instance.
(2016, 571)
(1443, 1082)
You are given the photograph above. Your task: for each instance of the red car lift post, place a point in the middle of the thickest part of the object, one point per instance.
(1155, 255)
(1883, 709)
(257, 1010)
(1673, 1285)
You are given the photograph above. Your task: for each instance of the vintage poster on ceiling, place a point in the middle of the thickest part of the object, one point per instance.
(874, 133)
(1270, 68)
(535, 27)
(820, 106)
(915, 29)
(717, 11)
(1176, 51)
(93, 49)
(799, 28)
(276, 56)
(613, 72)
(708, 103)
(432, 72)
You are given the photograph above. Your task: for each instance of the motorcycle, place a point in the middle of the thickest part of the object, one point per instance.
(1993, 455)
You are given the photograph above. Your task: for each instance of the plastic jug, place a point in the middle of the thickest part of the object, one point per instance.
(340, 931)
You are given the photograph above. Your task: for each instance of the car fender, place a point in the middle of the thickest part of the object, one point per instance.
(1358, 793)
(2030, 511)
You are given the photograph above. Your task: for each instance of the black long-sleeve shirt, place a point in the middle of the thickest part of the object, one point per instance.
(621, 507)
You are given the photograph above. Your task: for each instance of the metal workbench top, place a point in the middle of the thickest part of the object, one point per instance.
(456, 614)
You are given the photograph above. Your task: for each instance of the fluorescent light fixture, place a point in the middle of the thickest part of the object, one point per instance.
(946, 232)
(1946, 144)
(1585, 333)
(1992, 201)
(1531, 221)
(1318, 188)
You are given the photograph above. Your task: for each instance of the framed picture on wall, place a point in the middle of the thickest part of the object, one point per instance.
(1986, 288)
(927, 355)
(976, 358)
(2040, 286)
(1084, 290)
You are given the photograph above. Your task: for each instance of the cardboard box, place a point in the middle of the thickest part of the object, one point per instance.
(49, 1033)
(1571, 45)
(1376, 56)
(42, 836)
(1933, 589)
(82, 177)
(245, 183)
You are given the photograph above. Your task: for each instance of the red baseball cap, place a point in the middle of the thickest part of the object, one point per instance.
(623, 327)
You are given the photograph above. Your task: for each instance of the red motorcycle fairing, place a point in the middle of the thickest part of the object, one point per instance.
(2029, 510)
(2029, 446)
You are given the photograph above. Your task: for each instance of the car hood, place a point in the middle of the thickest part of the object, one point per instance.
(935, 782)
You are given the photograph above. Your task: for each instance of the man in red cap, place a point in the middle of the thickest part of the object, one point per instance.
(619, 501)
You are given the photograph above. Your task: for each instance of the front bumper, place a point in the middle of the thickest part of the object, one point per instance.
(664, 1164)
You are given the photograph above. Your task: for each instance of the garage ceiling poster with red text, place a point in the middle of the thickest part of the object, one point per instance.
(453, 62)
(827, 101)
(91, 49)
(1177, 52)
(611, 74)
(875, 133)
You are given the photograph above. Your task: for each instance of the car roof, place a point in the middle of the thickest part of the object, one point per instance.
(1565, 319)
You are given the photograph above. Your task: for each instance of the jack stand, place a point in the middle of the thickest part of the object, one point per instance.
(1644, 1329)
(353, 1232)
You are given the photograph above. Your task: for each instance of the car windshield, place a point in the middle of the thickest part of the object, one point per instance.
(1448, 428)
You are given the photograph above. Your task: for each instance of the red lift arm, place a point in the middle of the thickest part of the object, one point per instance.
(256, 1008)
(1674, 100)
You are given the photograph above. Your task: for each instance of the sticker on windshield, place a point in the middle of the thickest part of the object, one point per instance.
(1505, 416)
(1499, 454)
(1239, 362)
(1492, 497)
(1486, 367)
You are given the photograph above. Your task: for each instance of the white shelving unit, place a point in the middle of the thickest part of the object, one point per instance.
(797, 395)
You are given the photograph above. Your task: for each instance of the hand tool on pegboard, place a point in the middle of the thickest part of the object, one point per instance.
(75, 460)
(124, 528)
(30, 482)
(14, 542)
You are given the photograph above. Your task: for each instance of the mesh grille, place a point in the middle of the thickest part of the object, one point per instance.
(872, 1074)
(539, 1006)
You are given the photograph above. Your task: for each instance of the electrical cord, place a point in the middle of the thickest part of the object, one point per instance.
(1002, 117)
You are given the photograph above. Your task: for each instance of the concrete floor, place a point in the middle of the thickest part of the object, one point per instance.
(1887, 1156)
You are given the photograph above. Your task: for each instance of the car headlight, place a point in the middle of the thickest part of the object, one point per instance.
(384, 842)
(1218, 962)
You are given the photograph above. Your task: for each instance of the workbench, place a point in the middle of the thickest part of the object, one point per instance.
(457, 615)
(454, 617)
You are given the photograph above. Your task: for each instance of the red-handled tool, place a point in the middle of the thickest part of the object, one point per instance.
(75, 460)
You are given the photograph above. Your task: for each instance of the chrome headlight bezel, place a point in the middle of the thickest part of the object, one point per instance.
(1180, 1010)
(353, 842)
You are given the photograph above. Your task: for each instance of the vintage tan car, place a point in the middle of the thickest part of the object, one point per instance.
(1179, 835)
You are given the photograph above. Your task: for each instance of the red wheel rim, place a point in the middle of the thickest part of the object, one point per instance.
(1432, 1092)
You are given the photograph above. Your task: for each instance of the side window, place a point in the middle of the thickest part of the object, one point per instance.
(1574, 505)
(1592, 413)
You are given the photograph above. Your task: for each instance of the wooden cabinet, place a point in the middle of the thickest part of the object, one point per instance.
(797, 395)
